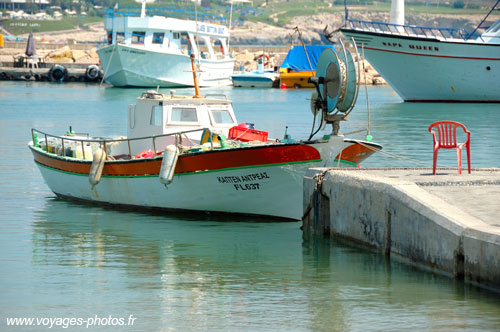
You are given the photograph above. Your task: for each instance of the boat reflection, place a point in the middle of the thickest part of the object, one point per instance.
(231, 274)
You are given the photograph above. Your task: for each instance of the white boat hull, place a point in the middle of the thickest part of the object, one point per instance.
(268, 182)
(272, 195)
(135, 66)
(431, 70)
(255, 80)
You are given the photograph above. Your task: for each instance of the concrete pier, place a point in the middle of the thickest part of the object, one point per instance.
(53, 72)
(446, 222)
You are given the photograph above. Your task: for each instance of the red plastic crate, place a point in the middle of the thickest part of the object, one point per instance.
(247, 134)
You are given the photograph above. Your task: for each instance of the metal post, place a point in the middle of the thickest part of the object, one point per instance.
(305, 50)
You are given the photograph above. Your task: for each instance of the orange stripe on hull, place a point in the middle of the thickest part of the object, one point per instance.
(188, 163)
(355, 153)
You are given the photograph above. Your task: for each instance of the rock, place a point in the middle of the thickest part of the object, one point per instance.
(63, 54)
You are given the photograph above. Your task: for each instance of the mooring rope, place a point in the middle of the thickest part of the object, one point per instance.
(395, 156)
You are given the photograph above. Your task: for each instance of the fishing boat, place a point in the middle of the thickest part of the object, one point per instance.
(432, 64)
(300, 65)
(190, 154)
(151, 51)
(260, 78)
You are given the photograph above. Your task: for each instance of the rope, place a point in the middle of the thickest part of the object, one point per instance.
(340, 158)
(318, 183)
(366, 88)
(394, 156)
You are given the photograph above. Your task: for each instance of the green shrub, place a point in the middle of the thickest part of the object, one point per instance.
(459, 4)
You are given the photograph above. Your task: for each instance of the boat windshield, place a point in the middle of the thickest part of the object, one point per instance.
(222, 117)
(184, 115)
(494, 29)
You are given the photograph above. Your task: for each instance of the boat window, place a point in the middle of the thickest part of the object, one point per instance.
(120, 37)
(177, 35)
(156, 115)
(138, 37)
(222, 117)
(185, 42)
(131, 116)
(158, 37)
(184, 115)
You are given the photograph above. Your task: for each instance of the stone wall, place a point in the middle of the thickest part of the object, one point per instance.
(403, 220)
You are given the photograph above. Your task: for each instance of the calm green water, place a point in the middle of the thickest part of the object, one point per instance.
(192, 273)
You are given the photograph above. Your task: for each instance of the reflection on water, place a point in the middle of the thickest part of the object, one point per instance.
(184, 273)
(189, 274)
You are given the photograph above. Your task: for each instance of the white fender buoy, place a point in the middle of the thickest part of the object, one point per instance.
(168, 164)
(98, 160)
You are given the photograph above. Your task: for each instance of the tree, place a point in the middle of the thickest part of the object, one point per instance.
(459, 4)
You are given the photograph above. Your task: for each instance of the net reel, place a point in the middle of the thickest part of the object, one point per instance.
(337, 87)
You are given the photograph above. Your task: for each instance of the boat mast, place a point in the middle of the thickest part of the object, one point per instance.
(397, 15)
(229, 27)
(305, 49)
(197, 93)
(143, 9)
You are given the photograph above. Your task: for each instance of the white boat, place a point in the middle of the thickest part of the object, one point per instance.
(259, 78)
(151, 51)
(425, 64)
(188, 153)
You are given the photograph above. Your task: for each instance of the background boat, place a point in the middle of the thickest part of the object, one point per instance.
(260, 78)
(151, 51)
(299, 65)
(431, 64)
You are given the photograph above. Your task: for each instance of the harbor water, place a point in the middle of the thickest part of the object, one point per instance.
(128, 270)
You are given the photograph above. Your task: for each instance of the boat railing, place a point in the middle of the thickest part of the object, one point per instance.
(103, 143)
(170, 11)
(409, 30)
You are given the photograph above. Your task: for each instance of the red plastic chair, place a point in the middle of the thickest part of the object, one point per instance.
(446, 138)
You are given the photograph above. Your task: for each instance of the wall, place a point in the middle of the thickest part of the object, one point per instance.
(401, 219)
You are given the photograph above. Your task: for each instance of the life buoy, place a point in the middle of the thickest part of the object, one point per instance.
(263, 56)
(92, 72)
(58, 73)
(145, 154)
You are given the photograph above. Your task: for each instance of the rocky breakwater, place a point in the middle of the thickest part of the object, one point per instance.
(247, 61)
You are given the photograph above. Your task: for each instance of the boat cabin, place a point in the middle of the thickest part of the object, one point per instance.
(169, 35)
(156, 113)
